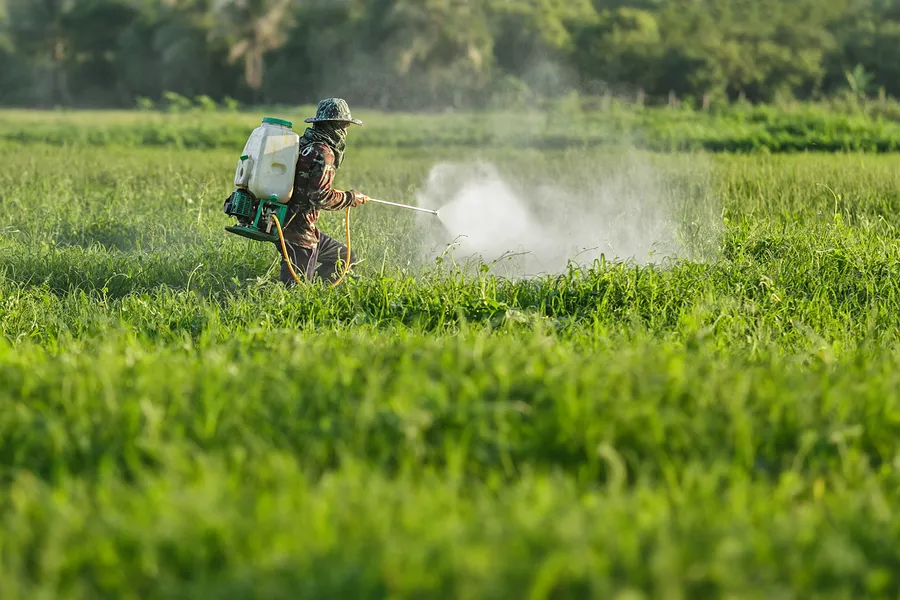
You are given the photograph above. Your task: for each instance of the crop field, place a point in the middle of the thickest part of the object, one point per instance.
(176, 424)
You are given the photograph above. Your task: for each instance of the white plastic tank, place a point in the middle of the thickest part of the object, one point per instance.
(266, 167)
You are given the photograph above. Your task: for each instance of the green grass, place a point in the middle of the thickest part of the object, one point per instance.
(868, 127)
(175, 424)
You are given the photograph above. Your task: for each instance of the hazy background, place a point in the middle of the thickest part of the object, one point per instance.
(438, 54)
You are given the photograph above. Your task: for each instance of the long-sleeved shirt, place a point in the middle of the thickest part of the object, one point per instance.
(313, 192)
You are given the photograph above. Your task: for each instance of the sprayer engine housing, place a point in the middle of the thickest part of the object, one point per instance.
(254, 216)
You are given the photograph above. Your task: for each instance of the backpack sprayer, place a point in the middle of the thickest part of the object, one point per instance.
(264, 183)
(264, 180)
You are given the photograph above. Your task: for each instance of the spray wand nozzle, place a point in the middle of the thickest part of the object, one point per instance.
(433, 212)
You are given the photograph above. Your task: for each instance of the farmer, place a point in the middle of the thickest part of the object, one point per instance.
(321, 154)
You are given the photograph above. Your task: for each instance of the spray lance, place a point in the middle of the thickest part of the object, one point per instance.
(264, 183)
(425, 210)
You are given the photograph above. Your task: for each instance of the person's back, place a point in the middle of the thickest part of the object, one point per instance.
(321, 155)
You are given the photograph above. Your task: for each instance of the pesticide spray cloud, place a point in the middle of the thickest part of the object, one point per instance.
(531, 223)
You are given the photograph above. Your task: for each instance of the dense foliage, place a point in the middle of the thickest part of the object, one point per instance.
(175, 424)
(440, 53)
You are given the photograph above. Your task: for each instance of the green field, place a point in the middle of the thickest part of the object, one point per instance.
(574, 122)
(175, 424)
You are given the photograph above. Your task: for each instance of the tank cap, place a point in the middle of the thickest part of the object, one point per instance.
(281, 122)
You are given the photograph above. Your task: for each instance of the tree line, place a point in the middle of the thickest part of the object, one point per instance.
(438, 54)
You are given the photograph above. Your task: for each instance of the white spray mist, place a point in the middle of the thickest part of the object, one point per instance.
(537, 222)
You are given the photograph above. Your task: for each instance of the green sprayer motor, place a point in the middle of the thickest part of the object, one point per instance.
(264, 181)
(254, 217)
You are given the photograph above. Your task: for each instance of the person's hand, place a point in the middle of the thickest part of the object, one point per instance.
(358, 198)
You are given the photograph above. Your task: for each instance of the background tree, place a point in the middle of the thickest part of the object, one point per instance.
(868, 37)
(186, 57)
(415, 54)
(622, 46)
(5, 41)
(251, 29)
(535, 41)
(41, 31)
(441, 46)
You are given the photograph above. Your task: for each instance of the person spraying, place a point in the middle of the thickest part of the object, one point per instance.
(282, 183)
(322, 148)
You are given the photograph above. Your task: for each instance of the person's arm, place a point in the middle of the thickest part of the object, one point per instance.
(318, 161)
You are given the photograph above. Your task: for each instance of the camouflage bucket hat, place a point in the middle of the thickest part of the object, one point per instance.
(333, 109)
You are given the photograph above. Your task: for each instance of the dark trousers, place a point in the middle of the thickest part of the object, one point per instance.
(331, 256)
